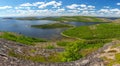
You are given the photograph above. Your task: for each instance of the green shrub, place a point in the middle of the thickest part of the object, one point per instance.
(62, 43)
(50, 47)
(74, 50)
(20, 38)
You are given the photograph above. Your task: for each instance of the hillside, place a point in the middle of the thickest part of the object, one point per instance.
(116, 21)
(69, 19)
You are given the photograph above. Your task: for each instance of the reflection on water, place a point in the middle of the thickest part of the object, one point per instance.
(23, 27)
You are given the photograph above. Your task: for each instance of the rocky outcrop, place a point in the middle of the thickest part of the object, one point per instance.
(5, 60)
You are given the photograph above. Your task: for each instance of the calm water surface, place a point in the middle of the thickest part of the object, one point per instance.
(24, 27)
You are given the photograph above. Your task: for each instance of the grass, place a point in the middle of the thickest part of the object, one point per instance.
(117, 56)
(63, 43)
(115, 61)
(116, 45)
(37, 58)
(21, 38)
(53, 25)
(101, 31)
(55, 57)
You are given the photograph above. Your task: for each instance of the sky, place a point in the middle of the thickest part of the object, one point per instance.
(102, 8)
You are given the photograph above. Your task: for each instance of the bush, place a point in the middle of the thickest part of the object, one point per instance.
(50, 47)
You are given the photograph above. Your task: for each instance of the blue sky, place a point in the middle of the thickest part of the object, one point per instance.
(107, 8)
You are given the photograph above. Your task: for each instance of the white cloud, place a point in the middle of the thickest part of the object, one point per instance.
(85, 12)
(118, 3)
(26, 4)
(21, 7)
(73, 11)
(109, 12)
(115, 10)
(73, 6)
(52, 3)
(44, 12)
(55, 4)
(91, 7)
(38, 3)
(83, 5)
(5, 7)
(33, 4)
(103, 11)
(60, 10)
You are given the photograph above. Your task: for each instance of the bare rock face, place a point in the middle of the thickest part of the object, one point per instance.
(6, 60)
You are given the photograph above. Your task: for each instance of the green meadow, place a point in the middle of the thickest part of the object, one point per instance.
(100, 31)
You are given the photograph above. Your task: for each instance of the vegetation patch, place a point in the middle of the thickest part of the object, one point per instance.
(55, 57)
(53, 25)
(20, 38)
(63, 43)
(50, 47)
(102, 31)
(116, 45)
(115, 61)
(78, 49)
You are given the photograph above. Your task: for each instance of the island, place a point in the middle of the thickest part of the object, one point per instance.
(52, 25)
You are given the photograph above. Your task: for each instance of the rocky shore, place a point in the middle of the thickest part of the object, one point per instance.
(5, 60)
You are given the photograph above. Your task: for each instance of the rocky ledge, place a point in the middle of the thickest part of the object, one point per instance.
(5, 60)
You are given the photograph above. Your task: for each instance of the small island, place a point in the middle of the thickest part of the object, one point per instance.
(27, 18)
(52, 25)
(8, 18)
